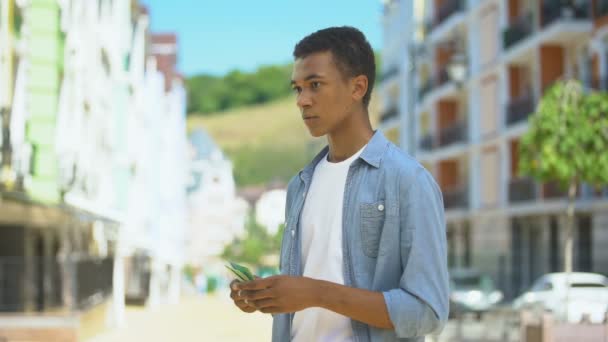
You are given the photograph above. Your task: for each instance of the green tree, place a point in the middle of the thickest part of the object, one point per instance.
(209, 94)
(256, 244)
(567, 142)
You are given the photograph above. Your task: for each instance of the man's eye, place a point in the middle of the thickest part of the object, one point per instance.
(315, 85)
(296, 90)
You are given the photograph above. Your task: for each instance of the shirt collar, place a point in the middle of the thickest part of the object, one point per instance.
(372, 154)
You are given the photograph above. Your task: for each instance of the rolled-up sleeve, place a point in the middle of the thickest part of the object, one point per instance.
(420, 305)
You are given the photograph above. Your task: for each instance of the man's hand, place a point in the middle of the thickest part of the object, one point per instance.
(287, 294)
(239, 301)
(279, 294)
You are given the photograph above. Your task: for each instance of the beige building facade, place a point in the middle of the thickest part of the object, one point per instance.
(466, 131)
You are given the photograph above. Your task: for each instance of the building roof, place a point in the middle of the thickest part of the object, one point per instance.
(251, 194)
(164, 38)
(203, 144)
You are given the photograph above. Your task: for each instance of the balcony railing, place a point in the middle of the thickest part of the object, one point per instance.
(448, 8)
(426, 143)
(453, 134)
(601, 8)
(442, 76)
(522, 189)
(554, 190)
(519, 29)
(598, 83)
(519, 109)
(456, 198)
(555, 10)
(425, 89)
(390, 113)
(41, 283)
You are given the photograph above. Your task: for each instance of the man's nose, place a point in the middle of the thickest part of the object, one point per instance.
(303, 99)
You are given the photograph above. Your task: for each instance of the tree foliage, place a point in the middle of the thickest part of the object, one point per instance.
(209, 94)
(256, 244)
(212, 94)
(566, 142)
(567, 139)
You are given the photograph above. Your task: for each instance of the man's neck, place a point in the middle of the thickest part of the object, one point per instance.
(354, 133)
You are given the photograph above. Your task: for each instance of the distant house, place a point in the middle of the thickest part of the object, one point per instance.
(270, 209)
(217, 215)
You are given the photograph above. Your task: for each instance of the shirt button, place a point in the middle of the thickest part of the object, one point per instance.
(293, 233)
(381, 207)
(304, 194)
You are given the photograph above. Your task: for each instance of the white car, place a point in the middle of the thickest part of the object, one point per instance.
(570, 297)
(472, 291)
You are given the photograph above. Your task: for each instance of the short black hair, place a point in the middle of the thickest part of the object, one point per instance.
(351, 52)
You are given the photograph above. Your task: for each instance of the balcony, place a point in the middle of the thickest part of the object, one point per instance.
(598, 83)
(522, 189)
(519, 29)
(427, 142)
(599, 192)
(601, 8)
(388, 114)
(520, 109)
(442, 76)
(553, 190)
(453, 134)
(425, 89)
(553, 11)
(448, 8)
(456, 197)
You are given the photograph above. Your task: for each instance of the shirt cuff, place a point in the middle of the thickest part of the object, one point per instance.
(403, 311)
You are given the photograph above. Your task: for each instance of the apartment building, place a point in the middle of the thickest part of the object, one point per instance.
(92, 111)
(466, 88)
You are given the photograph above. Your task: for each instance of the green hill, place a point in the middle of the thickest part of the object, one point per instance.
(265, 142)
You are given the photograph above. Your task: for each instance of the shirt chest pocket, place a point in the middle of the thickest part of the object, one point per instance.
(372, 222)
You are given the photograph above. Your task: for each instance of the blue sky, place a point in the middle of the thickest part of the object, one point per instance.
(218, 36)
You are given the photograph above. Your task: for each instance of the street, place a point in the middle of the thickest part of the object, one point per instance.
(211, 318)
(214, 318)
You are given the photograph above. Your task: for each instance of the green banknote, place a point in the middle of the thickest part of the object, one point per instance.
(241, 272)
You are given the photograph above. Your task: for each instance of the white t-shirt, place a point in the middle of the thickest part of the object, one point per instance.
(322, 250)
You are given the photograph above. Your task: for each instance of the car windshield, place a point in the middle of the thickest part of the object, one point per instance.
(586, 285)
(467, 281)
(472, 281)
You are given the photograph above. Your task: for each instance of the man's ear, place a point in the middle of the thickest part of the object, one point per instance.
(359, 87)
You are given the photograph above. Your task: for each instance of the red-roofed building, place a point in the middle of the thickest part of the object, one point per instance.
(163, 47)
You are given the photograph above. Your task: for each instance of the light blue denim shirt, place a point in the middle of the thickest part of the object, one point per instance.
(394, 241)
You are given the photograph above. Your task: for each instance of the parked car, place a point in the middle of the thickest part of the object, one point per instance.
(570, 297)
(472, 291)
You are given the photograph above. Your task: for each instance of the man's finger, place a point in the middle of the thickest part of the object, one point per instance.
(257, 284)
(264, 303)
(233, 284)
(253, 295)
(271, 310)
(244, 306)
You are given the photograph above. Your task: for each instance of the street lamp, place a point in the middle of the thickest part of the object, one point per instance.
(457, 68)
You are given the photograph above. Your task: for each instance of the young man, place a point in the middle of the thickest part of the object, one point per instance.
(364, 249)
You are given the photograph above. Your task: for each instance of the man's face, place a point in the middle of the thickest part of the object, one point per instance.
(323, 94)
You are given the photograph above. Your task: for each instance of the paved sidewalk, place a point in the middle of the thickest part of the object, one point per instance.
(196, 319)
(214, 318)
